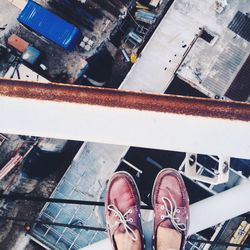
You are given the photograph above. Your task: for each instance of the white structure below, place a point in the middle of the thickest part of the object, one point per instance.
(221, 175)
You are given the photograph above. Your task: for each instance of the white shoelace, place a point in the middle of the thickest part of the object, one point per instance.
(172, 212)
(123, 220)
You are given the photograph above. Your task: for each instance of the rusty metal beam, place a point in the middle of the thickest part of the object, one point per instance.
(126, 99)
(124, 117)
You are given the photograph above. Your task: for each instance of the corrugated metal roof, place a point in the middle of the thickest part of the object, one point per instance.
(240, 88)
(49, 25)
(225, 68)
(241, 25)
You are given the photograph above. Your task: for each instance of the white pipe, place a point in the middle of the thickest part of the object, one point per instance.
(220, 207)
(203, 214)
(132, 166)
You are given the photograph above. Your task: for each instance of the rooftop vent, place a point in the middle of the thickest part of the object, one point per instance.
(220, 5)
(207, 36)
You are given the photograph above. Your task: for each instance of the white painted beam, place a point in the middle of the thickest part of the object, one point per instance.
(122, 126)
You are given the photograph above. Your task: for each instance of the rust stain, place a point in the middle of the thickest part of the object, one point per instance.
(126, 99)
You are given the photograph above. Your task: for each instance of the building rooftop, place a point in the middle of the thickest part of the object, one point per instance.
(217, 55)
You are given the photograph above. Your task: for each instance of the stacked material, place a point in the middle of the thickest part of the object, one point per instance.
(87, 43)
(145, 16)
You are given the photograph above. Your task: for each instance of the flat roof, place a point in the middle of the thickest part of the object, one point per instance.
(211, 67)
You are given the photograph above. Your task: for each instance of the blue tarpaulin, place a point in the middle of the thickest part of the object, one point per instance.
(50, 26)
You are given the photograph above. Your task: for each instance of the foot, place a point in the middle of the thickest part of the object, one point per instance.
(168, 239)
(122, 209)
(124, 242)
(171, 207)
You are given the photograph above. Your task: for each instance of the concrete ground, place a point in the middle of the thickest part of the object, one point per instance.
(63, 66)
(12, 234)
(7, 150)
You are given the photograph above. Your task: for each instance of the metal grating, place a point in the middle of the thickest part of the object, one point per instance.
(241, 25)
(75, 184)
(85, 179)
(240, 88)
(61, 238)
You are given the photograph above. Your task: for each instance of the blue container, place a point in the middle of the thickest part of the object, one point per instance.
(31, 55)
(50, 26)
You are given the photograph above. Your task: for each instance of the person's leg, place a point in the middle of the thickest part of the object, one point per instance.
(124, 242)
(171, 208)
(122, 209)
(168, 239)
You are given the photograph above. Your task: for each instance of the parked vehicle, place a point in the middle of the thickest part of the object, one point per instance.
(49, 25)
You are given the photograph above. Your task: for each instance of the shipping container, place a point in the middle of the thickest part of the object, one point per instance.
(52, 27)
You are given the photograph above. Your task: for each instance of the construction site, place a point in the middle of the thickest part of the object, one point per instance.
(90, 88)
